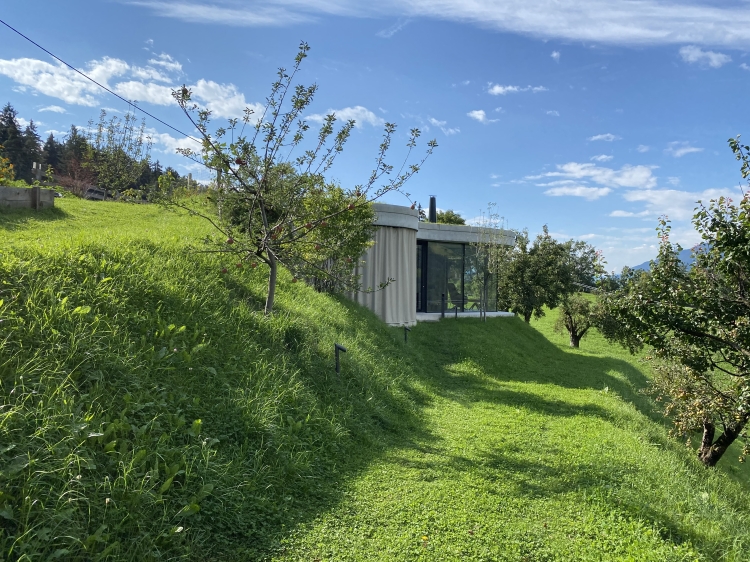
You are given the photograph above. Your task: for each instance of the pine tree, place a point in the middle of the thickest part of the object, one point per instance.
(52, 153)
(32, 152)
(11, 139)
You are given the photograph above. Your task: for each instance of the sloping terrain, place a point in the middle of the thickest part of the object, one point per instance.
(150, 410)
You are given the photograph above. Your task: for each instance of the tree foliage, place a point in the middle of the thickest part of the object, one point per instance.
(277, 206)
(529, 277)
(118, 151)
(487, 254)
(696, 321)
(450, 217)
(576, 317)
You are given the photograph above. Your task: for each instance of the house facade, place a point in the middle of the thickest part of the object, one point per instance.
(433, 266)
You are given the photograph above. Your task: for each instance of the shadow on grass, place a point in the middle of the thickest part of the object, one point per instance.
(511, 351)
(14, 218)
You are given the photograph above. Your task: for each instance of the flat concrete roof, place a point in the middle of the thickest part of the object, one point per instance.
(398, 216)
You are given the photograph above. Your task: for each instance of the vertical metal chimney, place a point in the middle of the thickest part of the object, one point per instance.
(433, 209)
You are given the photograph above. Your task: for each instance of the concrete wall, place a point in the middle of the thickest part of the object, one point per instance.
(24, 197)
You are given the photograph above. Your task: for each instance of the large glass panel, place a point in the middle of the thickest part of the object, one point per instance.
(419, 277)
(475, 282)
(444, 276)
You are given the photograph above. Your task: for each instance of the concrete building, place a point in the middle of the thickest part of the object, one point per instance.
(433, 266)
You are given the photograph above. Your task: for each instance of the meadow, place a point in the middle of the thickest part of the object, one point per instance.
(151, 411)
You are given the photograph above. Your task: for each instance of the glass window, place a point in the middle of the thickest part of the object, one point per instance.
(445, 275)
(475, 282)
(420, 281)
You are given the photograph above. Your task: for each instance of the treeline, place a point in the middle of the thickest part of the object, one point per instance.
(104, 156)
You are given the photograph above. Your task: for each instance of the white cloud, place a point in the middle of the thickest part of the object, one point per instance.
(694, 54)
(135, 83)
(555, 56)
(627, 214)
(590, 193)
(149, 73)
(448, 131)
(148, 92)
(478, 115)
(677, 205)
(55, 132)
(673, 180)
(498, 90)
(602, 158)
(607, 137)
(54, 80)
(643, 148)
(22, 123)
(168, 63)
(679, 149)
(554, 113)
(361, 116)
(389, 32)
(166, 143)
(481, 116)
(640, 177)
(744, 66)
(647, 22)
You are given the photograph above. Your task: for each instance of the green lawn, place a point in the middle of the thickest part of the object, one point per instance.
(474, 441)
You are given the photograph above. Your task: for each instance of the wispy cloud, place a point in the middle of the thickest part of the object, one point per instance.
(553, 113)
(643, 148)
(600, 21)
(443, 126)
(695, 55)
(744, 66)
(389, 32)
(679, 149)
(607, 137)
(555, 56)
(602, 158)
(498, 90)
(589, 193)
(54, 109)
(481, 116)
(361, 115)
(640, 177)
(677, 205)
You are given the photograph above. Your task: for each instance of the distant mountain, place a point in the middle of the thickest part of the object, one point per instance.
(685, 257)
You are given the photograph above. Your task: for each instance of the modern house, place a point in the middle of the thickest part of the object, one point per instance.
(434, 267)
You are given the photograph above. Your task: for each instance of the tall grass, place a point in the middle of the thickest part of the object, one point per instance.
(151, 410)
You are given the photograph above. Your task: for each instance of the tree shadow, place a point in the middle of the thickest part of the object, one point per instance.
(15, 218)
(462, 359)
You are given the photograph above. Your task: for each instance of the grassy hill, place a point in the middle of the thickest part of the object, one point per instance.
(150, 411)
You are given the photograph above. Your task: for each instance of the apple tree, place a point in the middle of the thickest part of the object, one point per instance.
(278, 207)
(695, 323)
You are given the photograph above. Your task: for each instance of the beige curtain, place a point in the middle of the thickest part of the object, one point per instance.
(394, 255)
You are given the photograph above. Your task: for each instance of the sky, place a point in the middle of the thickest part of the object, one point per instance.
(594, 117)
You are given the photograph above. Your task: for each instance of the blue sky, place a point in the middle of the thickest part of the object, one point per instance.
(592, 116)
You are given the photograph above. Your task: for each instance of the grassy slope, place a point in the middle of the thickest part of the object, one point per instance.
(474, 441)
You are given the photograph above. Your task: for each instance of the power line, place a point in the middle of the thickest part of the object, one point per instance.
(97, 83)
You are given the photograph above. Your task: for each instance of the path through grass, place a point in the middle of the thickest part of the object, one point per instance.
(530, 452)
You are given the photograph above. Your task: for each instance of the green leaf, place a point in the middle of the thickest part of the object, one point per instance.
(82, 310)
(190, 509)
(167, 485)
(6, 512)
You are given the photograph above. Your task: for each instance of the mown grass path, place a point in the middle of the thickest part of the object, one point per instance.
(530, 452)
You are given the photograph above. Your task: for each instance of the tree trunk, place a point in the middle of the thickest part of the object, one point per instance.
(271, 284)
(575, 339)
(527, 317)
(711, 451)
